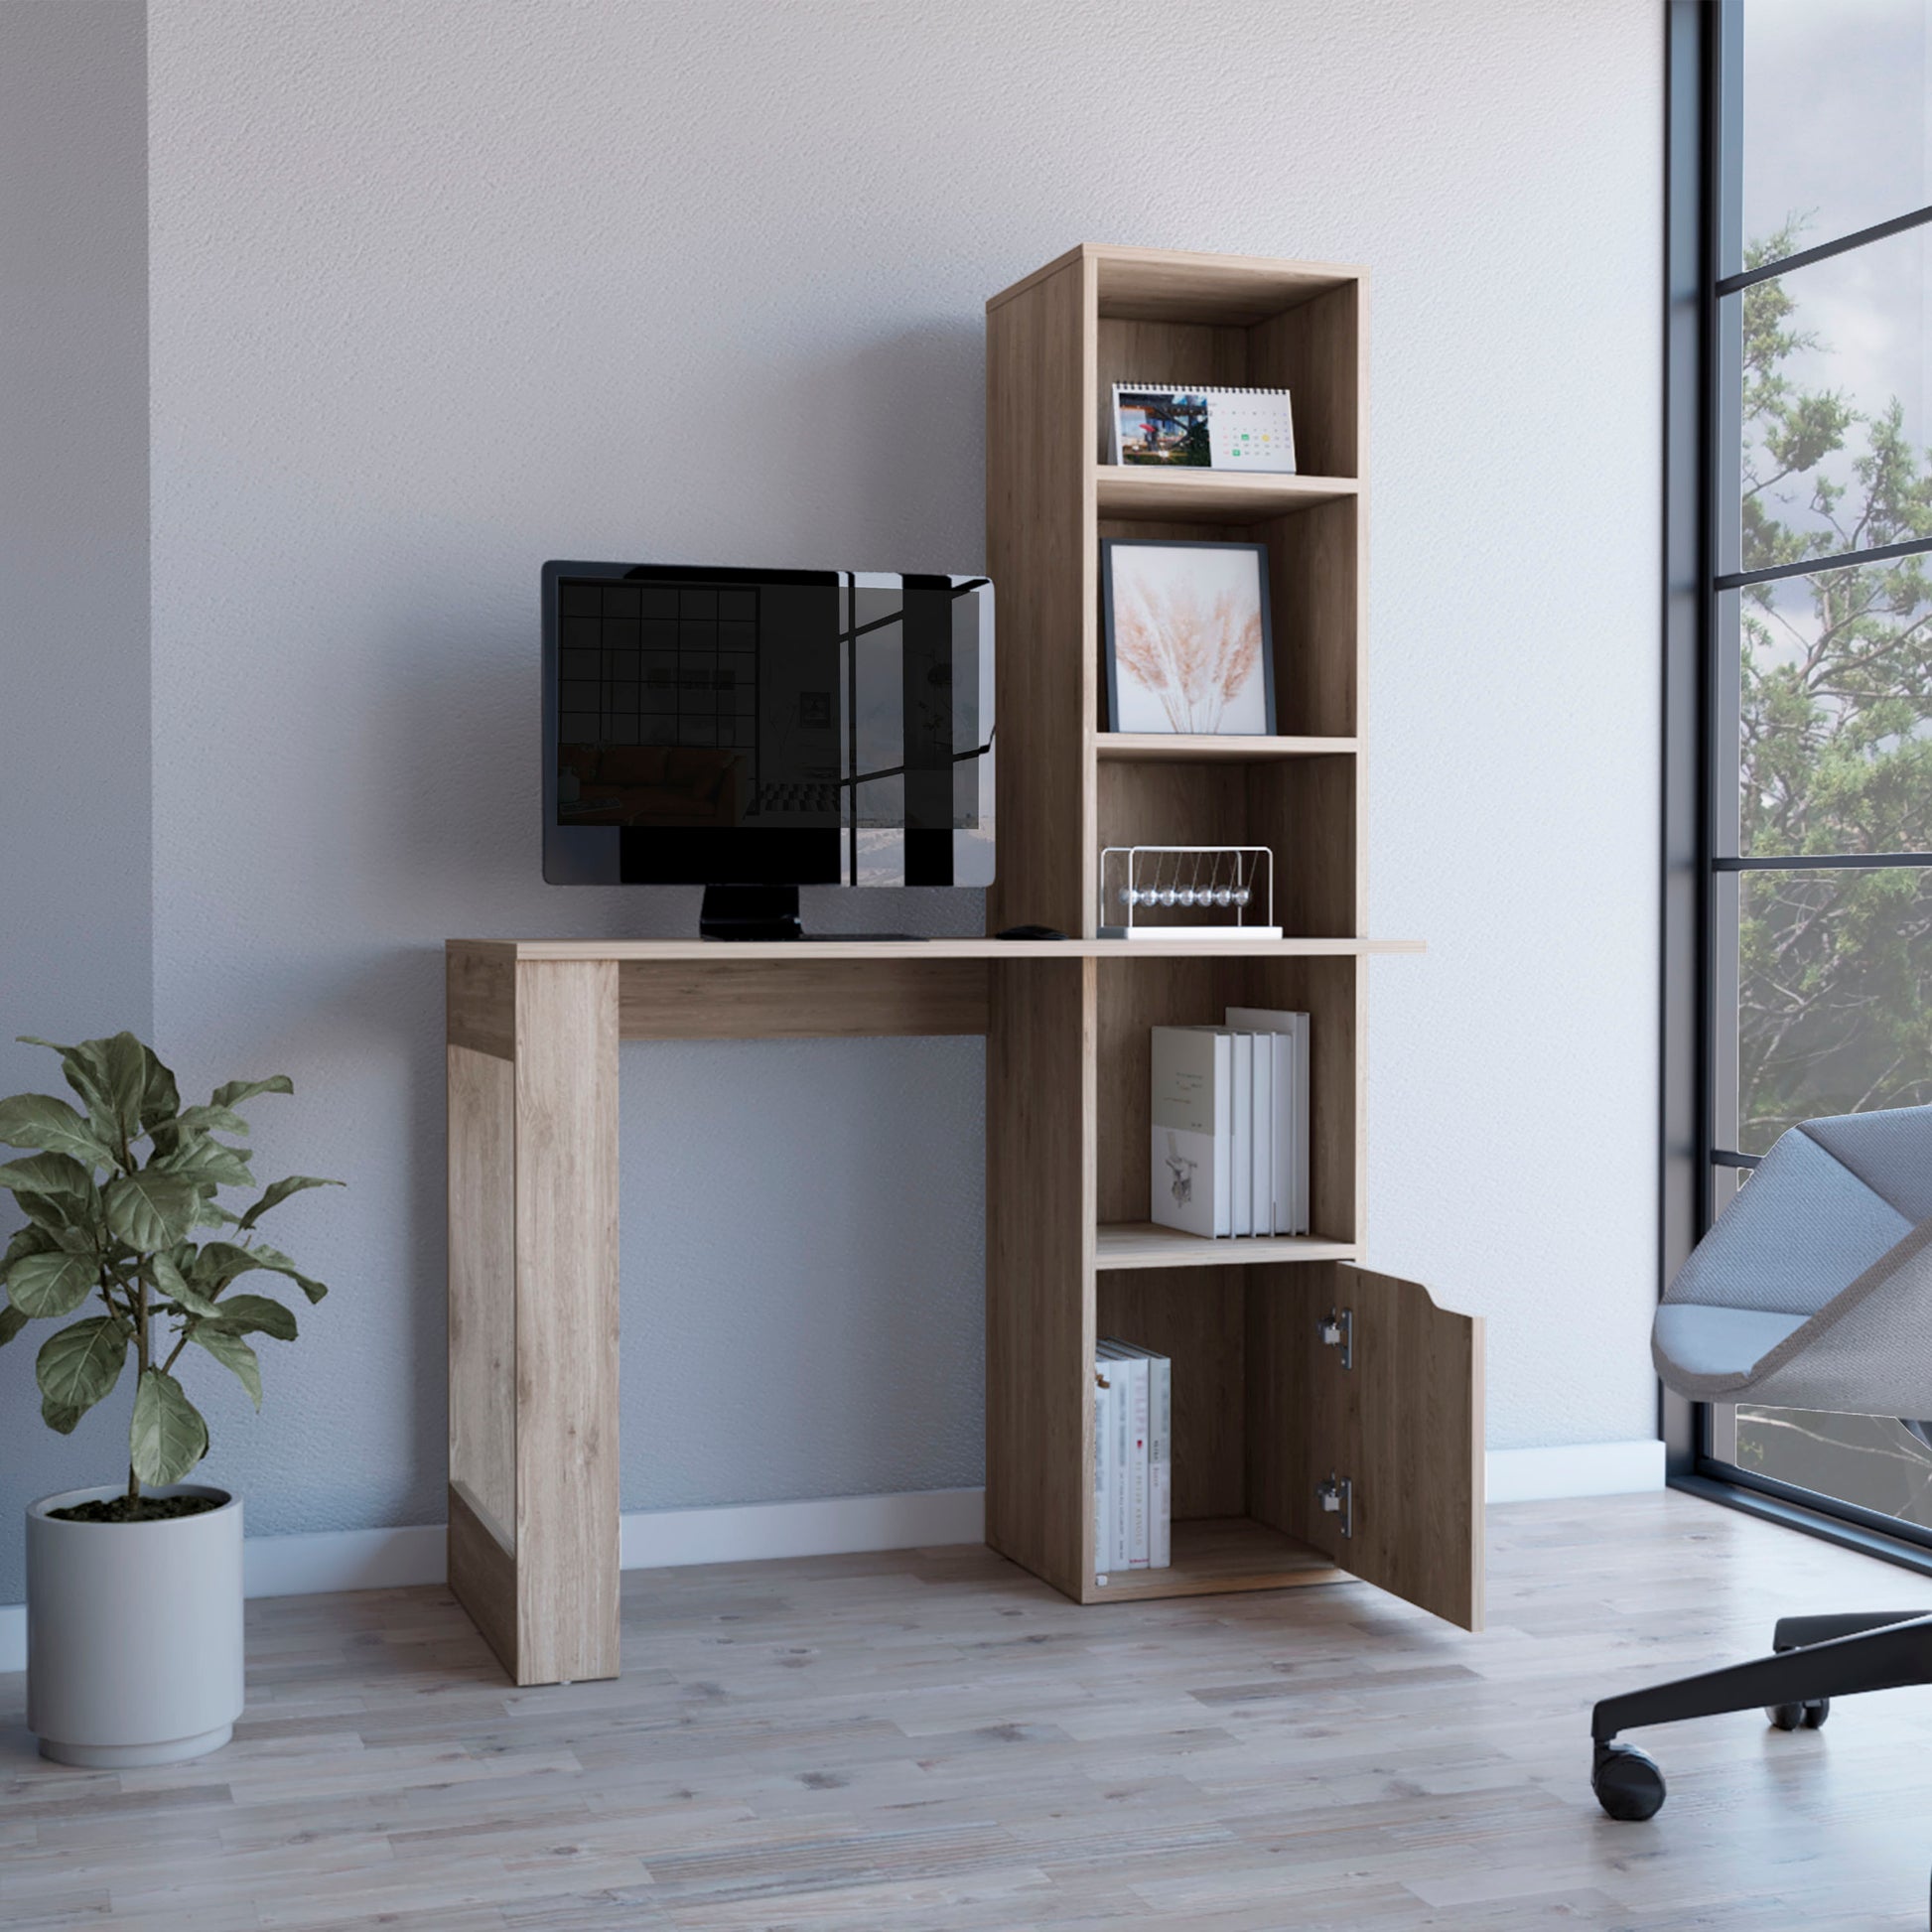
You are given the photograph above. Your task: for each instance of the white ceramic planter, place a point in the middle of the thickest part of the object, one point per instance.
(133, 1631)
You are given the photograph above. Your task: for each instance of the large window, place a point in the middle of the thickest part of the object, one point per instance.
(1801, 567)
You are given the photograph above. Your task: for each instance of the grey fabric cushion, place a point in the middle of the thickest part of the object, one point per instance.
(1891, 1152)
(1693, 1340)
(1800, 1229)
(1814, 1291)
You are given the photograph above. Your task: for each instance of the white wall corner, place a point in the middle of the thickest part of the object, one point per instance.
(1526, 1476)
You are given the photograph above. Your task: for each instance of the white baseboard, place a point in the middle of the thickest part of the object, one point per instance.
(651, 1539)
(662, 1539)
(325, 1560)
(1527, 1475)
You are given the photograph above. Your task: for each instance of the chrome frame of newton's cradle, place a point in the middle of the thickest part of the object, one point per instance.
(1251, 863)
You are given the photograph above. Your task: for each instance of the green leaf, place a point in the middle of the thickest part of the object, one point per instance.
(212, 1214)
(168, 1436)
(30, 1240)
(217, 1263)
(111, 1076)
(80, 1365)
(220, 1262)
(242, 1314)
(280, 1190)
(229, 1350)
(169, 1280)
(160, 1096)
(206, 1162)
(12, 1320)
(56, 1284)
(79, 1064)
(236, 1092)
(210, 1120)
(151, 1209)
(53, 1189)
(57, 1416)
(38, 1119)
(261, 1255)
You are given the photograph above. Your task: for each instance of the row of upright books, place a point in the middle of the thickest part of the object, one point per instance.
(1133, 1459)
(1230, 1114)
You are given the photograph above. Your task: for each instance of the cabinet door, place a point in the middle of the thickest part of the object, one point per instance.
(1398, 1422)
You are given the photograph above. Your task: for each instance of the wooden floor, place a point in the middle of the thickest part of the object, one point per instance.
(937, 1740)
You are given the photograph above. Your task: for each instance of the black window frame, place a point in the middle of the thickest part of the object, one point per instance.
(1700, 862)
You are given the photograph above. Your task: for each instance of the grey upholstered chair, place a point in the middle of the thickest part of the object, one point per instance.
(1814, 1291)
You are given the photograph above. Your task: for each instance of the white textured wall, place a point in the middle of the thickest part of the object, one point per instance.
(441, 290)
(75, 941)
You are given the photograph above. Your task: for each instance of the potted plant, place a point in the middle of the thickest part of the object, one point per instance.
(134, 1588)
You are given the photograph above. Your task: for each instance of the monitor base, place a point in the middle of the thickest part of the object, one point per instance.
(750, 913)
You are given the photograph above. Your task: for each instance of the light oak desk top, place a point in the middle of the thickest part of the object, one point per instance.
(805, 951)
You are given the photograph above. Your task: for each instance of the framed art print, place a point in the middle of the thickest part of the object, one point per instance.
(1186, 634)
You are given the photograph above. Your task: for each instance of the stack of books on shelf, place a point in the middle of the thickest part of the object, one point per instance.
(1230, 1114)
(1133, 1459)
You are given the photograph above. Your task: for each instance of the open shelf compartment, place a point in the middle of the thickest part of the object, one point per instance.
(1303, 810)
(1245, 1350)
(1134, 994)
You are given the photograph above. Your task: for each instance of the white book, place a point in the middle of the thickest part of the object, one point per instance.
(1122, 1541)
(1262, 1133)
(1103, 1470)
(1191, 1107)
(1160, 1463)
(1290, 1108)
(1242, 1206)
(1127, 1366)
(1160, 1453)
(1303, 1058)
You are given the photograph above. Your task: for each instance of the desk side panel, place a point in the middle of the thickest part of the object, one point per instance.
(566, 1321)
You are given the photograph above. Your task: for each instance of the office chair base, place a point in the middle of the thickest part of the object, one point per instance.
(1812, 1660)
(1627, 1784)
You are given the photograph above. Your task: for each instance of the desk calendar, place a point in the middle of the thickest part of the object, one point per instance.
(1208, 429)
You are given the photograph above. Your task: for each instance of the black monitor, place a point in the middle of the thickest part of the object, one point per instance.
(765, 729)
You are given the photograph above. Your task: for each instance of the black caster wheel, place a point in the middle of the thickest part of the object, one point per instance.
(1627, 1784)
(1799, 1717)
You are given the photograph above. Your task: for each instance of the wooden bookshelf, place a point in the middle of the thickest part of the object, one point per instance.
(1265, 1411)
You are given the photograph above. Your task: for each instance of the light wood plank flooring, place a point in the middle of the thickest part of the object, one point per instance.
(937, 1740)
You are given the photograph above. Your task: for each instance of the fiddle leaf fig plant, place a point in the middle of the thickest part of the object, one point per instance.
(115, 1193)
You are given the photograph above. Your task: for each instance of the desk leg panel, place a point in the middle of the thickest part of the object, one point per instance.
(1039, 1322)
(483, 1337)
(567, 1499)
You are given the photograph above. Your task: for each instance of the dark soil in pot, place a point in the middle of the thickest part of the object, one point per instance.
(137, 1509)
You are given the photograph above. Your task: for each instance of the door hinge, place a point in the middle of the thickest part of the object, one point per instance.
(1338, 1330)
(1337, 1498)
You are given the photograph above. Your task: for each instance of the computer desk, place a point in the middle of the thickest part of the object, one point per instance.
(532, 1030)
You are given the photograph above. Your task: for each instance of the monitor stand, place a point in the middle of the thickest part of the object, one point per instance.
(750, 913)
(766, 913)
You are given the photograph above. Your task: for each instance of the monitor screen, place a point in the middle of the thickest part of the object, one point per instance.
(766, 726)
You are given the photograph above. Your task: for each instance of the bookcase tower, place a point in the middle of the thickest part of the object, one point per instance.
(1327, 1419)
